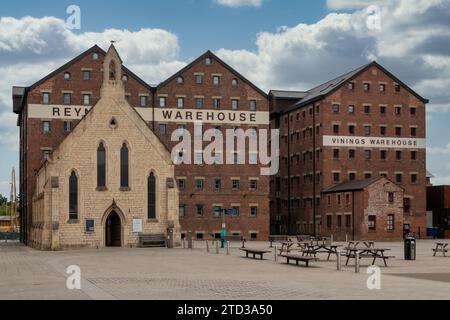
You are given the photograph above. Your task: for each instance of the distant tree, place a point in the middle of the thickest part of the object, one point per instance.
(3, 200)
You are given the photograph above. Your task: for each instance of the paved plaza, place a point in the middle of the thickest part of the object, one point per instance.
(124, 273)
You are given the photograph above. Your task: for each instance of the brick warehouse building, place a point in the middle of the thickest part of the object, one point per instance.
(361, 125)
(209, 88)
(326, 130)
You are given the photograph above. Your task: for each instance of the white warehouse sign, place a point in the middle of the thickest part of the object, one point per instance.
(373, 142)
(40, 111)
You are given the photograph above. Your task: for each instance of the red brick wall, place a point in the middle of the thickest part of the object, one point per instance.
(207, 197)
(325, 164)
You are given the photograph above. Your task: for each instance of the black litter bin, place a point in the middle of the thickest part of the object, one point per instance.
(410, 248)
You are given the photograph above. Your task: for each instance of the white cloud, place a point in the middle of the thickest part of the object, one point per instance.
(239, 3)
(439, 181)
(439, 150)
(32, 47)
(290, 57)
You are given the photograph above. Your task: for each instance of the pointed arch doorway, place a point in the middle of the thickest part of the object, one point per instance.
(113, 230)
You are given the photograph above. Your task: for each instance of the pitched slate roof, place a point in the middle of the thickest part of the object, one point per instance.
(284, 94)
(354, 185)
(220, 61)
(93, 49)
(329, 87)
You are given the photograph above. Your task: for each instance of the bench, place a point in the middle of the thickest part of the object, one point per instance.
(236, 238)
(273, 238)
(255, 252)
(440, 247)
(297, 258)
(152, 240)
(13, 236)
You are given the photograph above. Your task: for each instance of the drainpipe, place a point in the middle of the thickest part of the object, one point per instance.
(353, 215)
(289, 171)
(314, 169)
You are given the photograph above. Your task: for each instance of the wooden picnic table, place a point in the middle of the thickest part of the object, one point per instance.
(312, 250)
(440, 247)
(286, 246)
(375, 253)
(273, 238)
(255, 252)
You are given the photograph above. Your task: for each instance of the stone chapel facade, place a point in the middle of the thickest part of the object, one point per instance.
(110, 179)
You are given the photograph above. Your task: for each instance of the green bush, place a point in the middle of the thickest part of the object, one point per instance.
(4, 210)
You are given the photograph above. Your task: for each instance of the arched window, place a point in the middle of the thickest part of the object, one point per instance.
(151, 196)
(73, 196)
(124, 179)
(101, 166)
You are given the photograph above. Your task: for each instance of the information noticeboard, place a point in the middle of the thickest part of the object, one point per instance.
(137, 225)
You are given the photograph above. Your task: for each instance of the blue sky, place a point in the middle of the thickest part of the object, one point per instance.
(289, 44)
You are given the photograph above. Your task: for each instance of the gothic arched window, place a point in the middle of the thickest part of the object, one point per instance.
(124, 167)
(101, 166)
(73, 196)
(151, 196)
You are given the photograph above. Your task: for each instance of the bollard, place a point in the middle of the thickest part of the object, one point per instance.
(346, 238)
(228, 248)
(339, 260)
(357, 262)
(217, 247)
(184, 243)
(189, 239)
(331, 239)
(276, 253)
(207, 246)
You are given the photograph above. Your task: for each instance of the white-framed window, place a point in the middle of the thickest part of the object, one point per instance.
(253, 211)
(181, 184)
(199, 184)
(143, 101)
(216, 103)
(162, 102)
(67, 126)
(216, 80)
(95, 56)
(198, 103)
(182, 210)
(67, 97)
(86, 99)
(67, 76)
(234, 82)
(46, 154)
(351, 109)
(390, 222)
(208, 61)
(86, 75)
(198, 78)
(180, 80)
(45, 98)
(252, 105)
(162, 129)
(234, 104)
(46, 128)
(180, 103)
